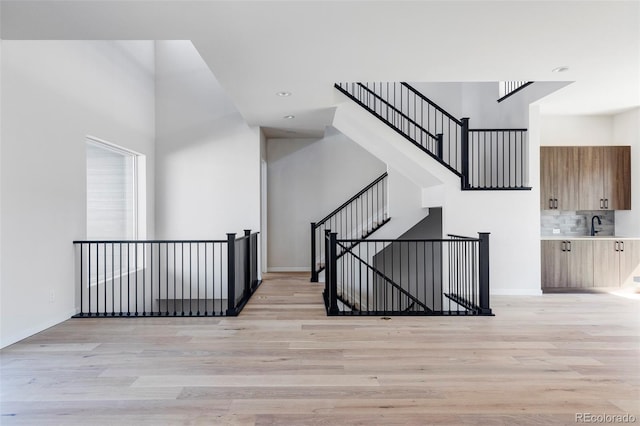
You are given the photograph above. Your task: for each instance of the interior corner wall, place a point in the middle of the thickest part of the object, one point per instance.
(626, 131)
(307, 180)
(207, 157)
(54, 94)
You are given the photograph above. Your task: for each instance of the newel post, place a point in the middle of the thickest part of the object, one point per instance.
(231, 275)
(247, 263)
(331, 273)
(464, 152)
(483, 270)
(314, 271)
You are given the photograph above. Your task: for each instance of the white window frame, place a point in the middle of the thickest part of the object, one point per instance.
(139, 187)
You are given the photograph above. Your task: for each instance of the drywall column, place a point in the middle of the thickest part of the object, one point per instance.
(208, 158)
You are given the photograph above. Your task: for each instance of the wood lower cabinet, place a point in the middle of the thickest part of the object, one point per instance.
(584, 264)
(567, 264)
(606, 264)
(629, 262)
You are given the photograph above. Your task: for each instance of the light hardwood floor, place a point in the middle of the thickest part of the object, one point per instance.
(539, 361)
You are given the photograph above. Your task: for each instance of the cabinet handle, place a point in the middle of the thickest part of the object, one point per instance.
(550, 203)
(621, 245)
(606, 203)
(569, 245)
(555, 203)
(601, 203)
(562, 246)
(616, 247)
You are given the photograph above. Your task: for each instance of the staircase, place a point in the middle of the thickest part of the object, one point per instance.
(483, 159)
(357, 218)
(427, 148)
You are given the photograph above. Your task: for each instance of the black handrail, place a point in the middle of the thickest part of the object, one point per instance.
(396, 110)
(430, 102)
(383, 276)
(350, 200)
(514, 88)
(438, 151)
(360, 216)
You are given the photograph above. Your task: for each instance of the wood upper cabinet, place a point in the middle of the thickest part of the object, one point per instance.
(617, 177)
(558, 177)
(548, 178)
(591, 181)
(567, 264)
(585, 178)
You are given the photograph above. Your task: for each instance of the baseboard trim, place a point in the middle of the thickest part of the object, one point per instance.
(516, 292)
(288, 269)
(7, 341)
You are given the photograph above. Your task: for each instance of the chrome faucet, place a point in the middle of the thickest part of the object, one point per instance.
(593, 228)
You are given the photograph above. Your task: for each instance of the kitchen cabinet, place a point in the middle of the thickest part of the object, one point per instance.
(559, 177)
(585, 178)
(629, 262)
(589, 263)
(617, 177)
(615, 262)
(606, 263)
(567, 264)
(605, 178)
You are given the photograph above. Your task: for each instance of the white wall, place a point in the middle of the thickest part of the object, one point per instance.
(308, 179)
(570, 130)
(207, 157)
(54, 94)
(626, 131)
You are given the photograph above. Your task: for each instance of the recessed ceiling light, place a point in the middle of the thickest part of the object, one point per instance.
(560, 69)
(289, 117)
(283, 94)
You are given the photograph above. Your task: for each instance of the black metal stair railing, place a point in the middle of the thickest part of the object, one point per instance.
(484, 159)
(356, 218)
(507, 89)
(354, 300)
(147, 278)
(408, 277)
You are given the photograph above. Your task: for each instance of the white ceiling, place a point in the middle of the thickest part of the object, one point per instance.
(258, 48)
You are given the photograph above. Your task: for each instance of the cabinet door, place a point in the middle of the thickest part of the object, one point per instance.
(567, 178)
(606, 264)
(591, 186)
(548, 171)
(554, 264)
(580, 264)
(629, 262)
(617, 177)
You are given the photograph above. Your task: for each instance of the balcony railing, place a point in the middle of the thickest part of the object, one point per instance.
(143, 278)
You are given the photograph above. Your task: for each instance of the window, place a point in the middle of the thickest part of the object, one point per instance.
(112, 210)
(111, 192)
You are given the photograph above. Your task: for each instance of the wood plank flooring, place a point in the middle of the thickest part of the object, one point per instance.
(539, 361)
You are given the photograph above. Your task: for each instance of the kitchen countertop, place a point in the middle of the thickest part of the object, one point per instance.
(585, 237)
